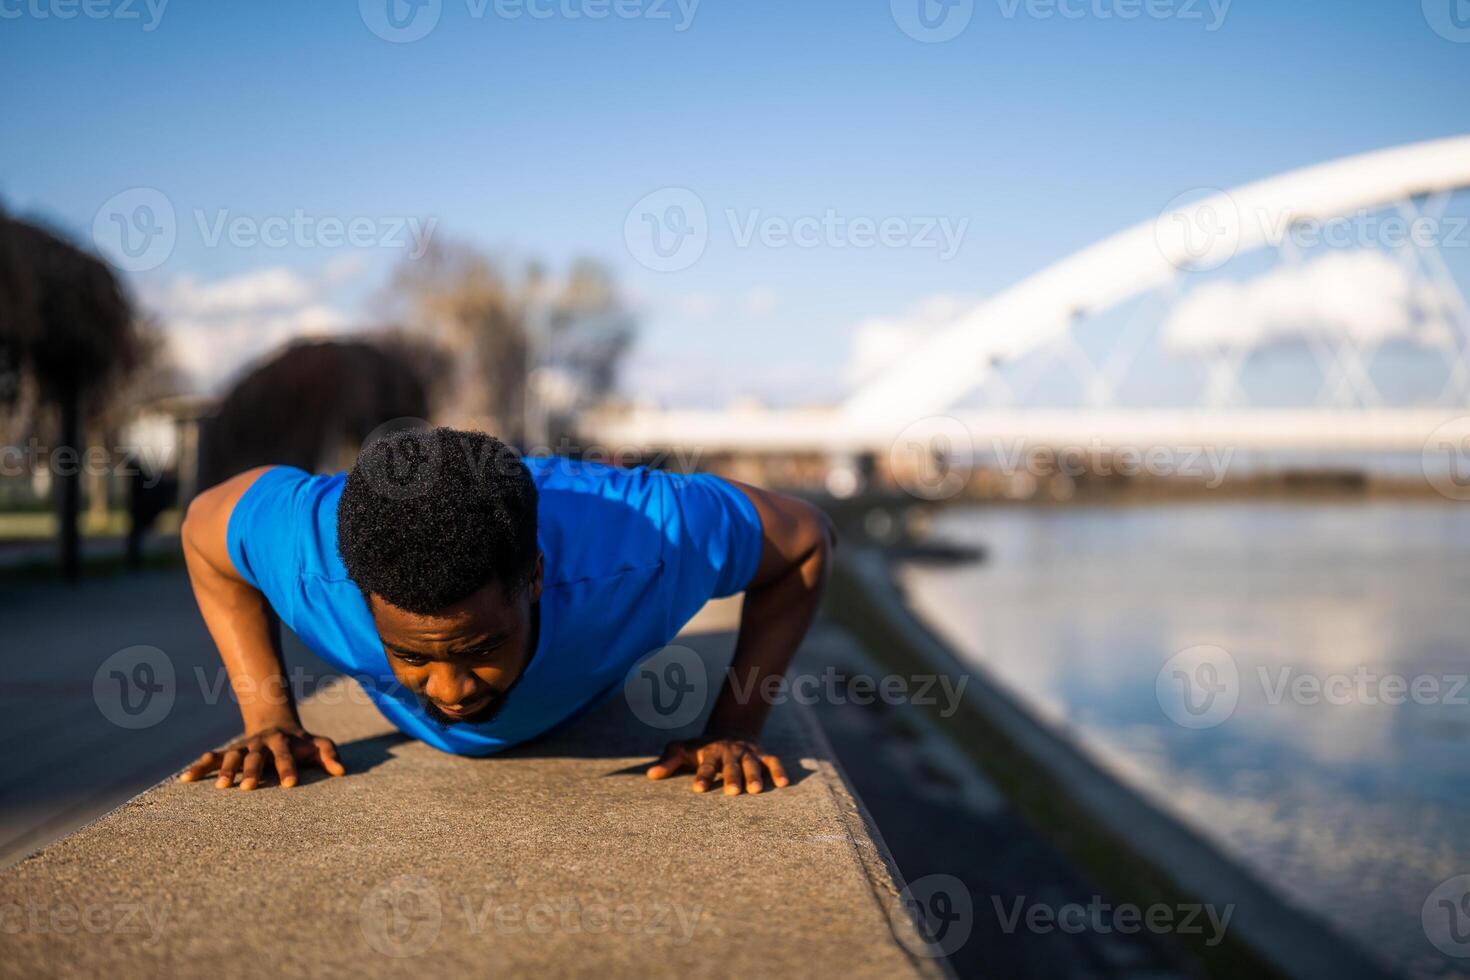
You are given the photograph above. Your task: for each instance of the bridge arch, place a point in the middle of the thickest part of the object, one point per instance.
(1041, 308)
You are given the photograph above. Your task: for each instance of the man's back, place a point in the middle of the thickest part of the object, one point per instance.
(630, 555)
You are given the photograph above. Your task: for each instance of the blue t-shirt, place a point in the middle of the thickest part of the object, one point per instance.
(629, 556)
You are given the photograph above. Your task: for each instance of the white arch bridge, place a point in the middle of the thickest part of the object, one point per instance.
(1174, 257)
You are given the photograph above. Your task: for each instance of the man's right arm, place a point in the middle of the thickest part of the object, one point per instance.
(248, 636)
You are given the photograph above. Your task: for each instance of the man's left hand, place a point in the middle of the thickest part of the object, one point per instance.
(737, 762)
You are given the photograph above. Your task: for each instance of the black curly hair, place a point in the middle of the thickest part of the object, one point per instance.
(430, 516)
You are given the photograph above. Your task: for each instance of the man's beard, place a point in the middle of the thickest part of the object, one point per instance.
(485, 714)
(492, 709)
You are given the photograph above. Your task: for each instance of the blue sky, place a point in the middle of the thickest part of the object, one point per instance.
(1041, 133)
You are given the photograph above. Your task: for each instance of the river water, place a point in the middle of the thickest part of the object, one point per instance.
(1289, 679)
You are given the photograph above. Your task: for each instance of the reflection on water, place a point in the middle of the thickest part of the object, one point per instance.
(1340, 775)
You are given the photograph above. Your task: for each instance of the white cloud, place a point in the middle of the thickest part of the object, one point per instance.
(215, 328)
(694, 306)
(879, 341)
(707, 380)
(270, 288)
(342, 268)
(1363, 296)
(213, 350)
(760, 301)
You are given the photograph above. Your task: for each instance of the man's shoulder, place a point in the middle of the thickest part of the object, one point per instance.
(596, 519)
(299, 509)
(565, 481)
(293, 480)
(567, 472)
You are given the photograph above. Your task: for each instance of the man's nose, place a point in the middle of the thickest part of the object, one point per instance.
(449, 684)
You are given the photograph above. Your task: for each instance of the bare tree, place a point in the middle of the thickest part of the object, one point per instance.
(457, 295)
(586, 332)
(529, 351)
(311, 405)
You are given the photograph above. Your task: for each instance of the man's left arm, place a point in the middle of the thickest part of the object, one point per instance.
(781, 600)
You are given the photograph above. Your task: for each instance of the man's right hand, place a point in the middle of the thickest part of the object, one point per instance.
(278, 749)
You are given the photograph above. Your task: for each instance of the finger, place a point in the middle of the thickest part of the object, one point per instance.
(669, 763)
(751, 766)
(778, 774)
(228, 768)
(327, 753)
(731, 774)
(206, 764)
(704, 776)
(285, 765)
(250, 775)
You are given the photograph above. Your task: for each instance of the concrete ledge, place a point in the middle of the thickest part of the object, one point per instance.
(560, 859)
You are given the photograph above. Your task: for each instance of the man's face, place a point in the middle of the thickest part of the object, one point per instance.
(461, 660)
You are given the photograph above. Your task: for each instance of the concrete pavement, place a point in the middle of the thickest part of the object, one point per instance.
(78, 733)
(560, 859)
